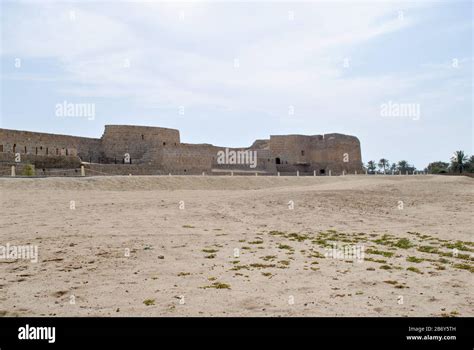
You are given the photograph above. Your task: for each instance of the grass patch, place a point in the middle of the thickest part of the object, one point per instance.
(297, 237)
(379, 252)
(458, 245)
(414, 259)
(268, 257)
(403, 243)
(210, 250)
(218, 285)
(261, 266)
(414, 269)
(276, 233)
(391, 282)
(467, 267)
(255, 242)
(149, 302)
(188, 226)
(380, 261)
(428, 249)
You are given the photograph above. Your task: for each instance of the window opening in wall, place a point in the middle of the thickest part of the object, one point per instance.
(14, 147)
(25, 150)
(36, 150)
(164, 143)
(302, 153)
(57, 151)
(277, 160)
(47, 150)
(1, 148)
(143, 137)
(322, 171)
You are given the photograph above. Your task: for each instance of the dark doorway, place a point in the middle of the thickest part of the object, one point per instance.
(277, 160)
(322, 171)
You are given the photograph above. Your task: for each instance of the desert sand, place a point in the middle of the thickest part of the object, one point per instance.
(238, 246)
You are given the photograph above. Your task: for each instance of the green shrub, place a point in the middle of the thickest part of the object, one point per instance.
(28, 170)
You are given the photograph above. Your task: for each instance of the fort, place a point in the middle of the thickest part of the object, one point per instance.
(145, 150)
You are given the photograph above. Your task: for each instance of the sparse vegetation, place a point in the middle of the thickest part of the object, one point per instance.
(217, 285)
(414, 269)
(403, 243)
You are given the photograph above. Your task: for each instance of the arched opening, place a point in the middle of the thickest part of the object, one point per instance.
(143, 137)
(302, 152)
(14, 147)
(164, 143)
(322, 171)
(277, 160)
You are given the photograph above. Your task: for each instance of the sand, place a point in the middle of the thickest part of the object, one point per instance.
(167, 246)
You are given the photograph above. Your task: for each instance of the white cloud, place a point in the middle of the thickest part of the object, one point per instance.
(175, 60)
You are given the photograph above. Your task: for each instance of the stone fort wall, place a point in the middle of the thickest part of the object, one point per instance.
(154, 150)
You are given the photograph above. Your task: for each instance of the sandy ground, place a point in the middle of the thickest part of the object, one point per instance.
(232, 246)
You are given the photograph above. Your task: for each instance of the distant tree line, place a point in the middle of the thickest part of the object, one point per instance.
(459, 163)
(383, 166)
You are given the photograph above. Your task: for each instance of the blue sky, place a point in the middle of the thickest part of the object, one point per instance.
(238, 69)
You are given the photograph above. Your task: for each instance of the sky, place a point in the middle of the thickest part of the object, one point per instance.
(398, 75)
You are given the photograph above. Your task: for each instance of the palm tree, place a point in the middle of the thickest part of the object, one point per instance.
(470, 164)
(393, 167)
(371, 166)
(459, 161)
(383, 164)
(402, 166)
